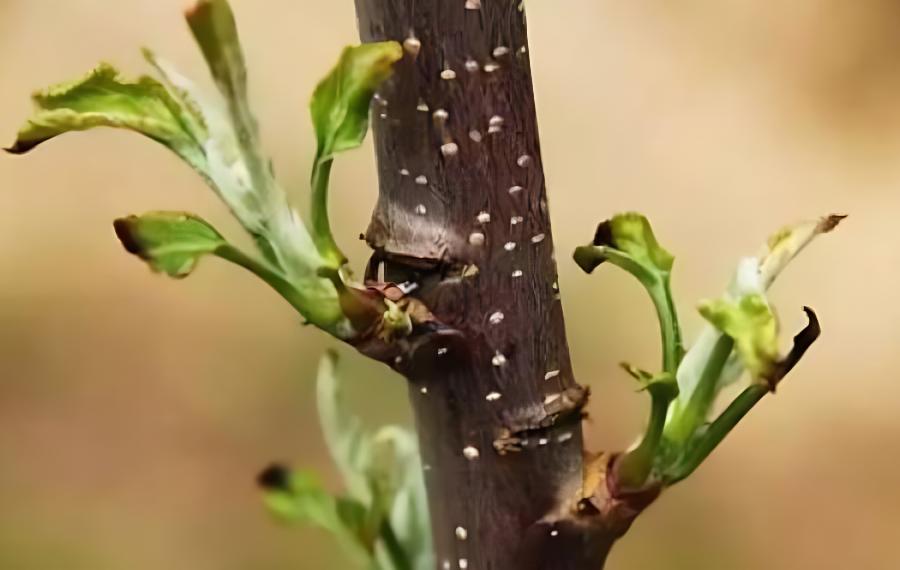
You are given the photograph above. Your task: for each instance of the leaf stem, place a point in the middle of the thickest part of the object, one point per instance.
(322, 311)
(635, 466)
(393, 547)
(672, 347)
(658, 286)
(688, 419)
(321, 225)
(707, 442)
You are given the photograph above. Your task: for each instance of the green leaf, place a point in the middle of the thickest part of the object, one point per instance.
(184, 92)
(297, 497)
(627, 241)
(707, 368)
(174, 242)
(241, 171)
(704, 441)
(260, 206)
(217, 137)
(631, 233)
(239, 166)
(340, 103)
(752, 325)
(398, 469)
(784, 245)
(382, 472)
(350, 446)
(340, 114)
(215, 30)
(170, 242)
(104, 99)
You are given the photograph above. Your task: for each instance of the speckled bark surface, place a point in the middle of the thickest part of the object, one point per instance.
(463, 214)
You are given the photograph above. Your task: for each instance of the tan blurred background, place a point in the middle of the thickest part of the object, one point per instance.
(135, 411)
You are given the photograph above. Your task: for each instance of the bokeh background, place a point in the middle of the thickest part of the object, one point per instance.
(135, 411)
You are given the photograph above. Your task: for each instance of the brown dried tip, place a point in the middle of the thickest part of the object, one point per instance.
(603, 235)
(19, 148)
(194, 7)
(828, 223)
(124, 228)
(802, 341)
(274, 478)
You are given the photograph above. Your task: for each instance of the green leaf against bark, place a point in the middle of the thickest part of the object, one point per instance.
(340, 103)
(102, 98)
(170, 242)
(340, 115)
(752, 325)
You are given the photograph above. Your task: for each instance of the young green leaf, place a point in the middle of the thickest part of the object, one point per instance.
(398, 467)
(632, 234)
(788, 242)
(382, 472)
(707, 367)
(350, 446)
(181, 89)
(174, 242)
(627, 241)
(170, 242)
(297, 497)
(752, 325)
(712, 363)
(104, 99)
(705, 440)
(215, 30)
(340, 114)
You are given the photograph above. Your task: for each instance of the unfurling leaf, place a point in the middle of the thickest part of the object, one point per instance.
(742, 334)
(632, 234)
(754, 275)
(704, 441)
(104, 99)
(785, 244)
(627, 241)
(752, 325)
(215, 30)
(340, 114)
(170, 242)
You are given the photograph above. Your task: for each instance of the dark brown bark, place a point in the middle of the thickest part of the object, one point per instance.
(463, 214)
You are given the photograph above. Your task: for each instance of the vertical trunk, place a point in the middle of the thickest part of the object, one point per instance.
(463, 214)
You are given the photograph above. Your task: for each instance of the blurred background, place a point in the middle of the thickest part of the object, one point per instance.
(135, 411)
